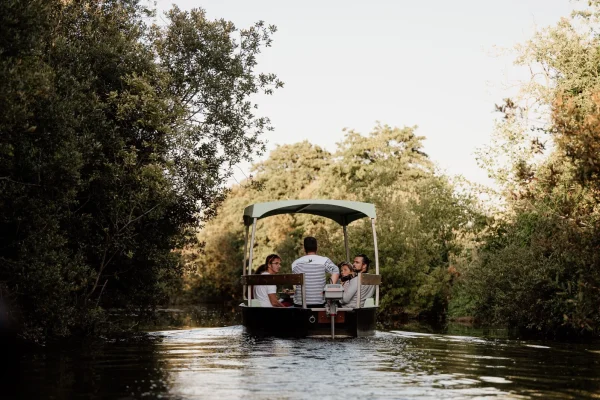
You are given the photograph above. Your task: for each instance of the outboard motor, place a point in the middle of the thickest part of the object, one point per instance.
(333, 293)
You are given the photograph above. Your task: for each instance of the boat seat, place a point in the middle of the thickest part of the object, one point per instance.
(370, 302)
(255, 303)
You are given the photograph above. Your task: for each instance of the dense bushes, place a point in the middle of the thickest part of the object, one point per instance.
(116, 141)
(539, 267)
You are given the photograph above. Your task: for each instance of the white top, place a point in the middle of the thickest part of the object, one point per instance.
(262, 292)
(313, 267)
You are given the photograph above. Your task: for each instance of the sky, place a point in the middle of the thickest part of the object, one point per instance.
(439, 65)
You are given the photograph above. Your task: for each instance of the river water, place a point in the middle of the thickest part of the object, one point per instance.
(223, 363)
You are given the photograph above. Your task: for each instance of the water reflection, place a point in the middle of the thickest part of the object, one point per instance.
(225, 363)
(207, 315)
(109, 370)
(391, 365)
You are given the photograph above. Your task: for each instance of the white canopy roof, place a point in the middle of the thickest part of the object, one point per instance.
(341, 211)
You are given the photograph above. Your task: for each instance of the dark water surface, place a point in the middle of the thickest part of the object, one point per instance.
(224, 363)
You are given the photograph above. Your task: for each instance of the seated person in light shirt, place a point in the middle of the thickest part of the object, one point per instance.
(361, 265)
(267, 294)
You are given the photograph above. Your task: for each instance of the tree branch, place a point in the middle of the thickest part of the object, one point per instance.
(6, 178)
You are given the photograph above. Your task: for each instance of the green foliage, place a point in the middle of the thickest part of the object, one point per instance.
(116, 140)
(539, 273)
(425, 235)
(539, 268)
(386, 158)
(290, 172)
(423, 224)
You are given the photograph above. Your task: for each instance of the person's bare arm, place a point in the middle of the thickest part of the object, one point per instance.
(274, 301)
(333, 270)
(334, 278)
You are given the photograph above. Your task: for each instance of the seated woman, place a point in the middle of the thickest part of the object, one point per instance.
(267, 294)
(346, 273)
(350, 284)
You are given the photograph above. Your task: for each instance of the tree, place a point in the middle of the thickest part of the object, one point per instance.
(538, 270)
(116, 143)
(386, 158)
(291, 172)
(423, 223)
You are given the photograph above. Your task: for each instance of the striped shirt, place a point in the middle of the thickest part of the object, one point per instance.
(313, 267)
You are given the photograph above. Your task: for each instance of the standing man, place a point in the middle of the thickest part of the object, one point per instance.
(314, 267)
(361, 265)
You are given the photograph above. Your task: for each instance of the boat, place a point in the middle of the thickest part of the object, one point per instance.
(329, 321)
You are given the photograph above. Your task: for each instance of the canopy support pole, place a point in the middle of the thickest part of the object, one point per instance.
(245, 267)
(358, 290)
(251, 256)
(346, 243)
(376, 261)
(303, 288)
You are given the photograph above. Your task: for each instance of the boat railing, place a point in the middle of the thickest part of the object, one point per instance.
(298, 279)
(282, 279)
(367, 279)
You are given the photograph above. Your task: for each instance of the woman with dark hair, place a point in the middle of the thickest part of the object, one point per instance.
(346, 273)
(267, 294)
(261, 269)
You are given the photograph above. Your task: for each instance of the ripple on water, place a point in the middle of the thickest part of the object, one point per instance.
(225, 363)
(390, 365)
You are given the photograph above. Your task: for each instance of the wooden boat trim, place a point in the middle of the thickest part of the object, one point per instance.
(282, 279)
(370, 279)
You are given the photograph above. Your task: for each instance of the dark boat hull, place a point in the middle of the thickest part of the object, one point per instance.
(299, 322)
